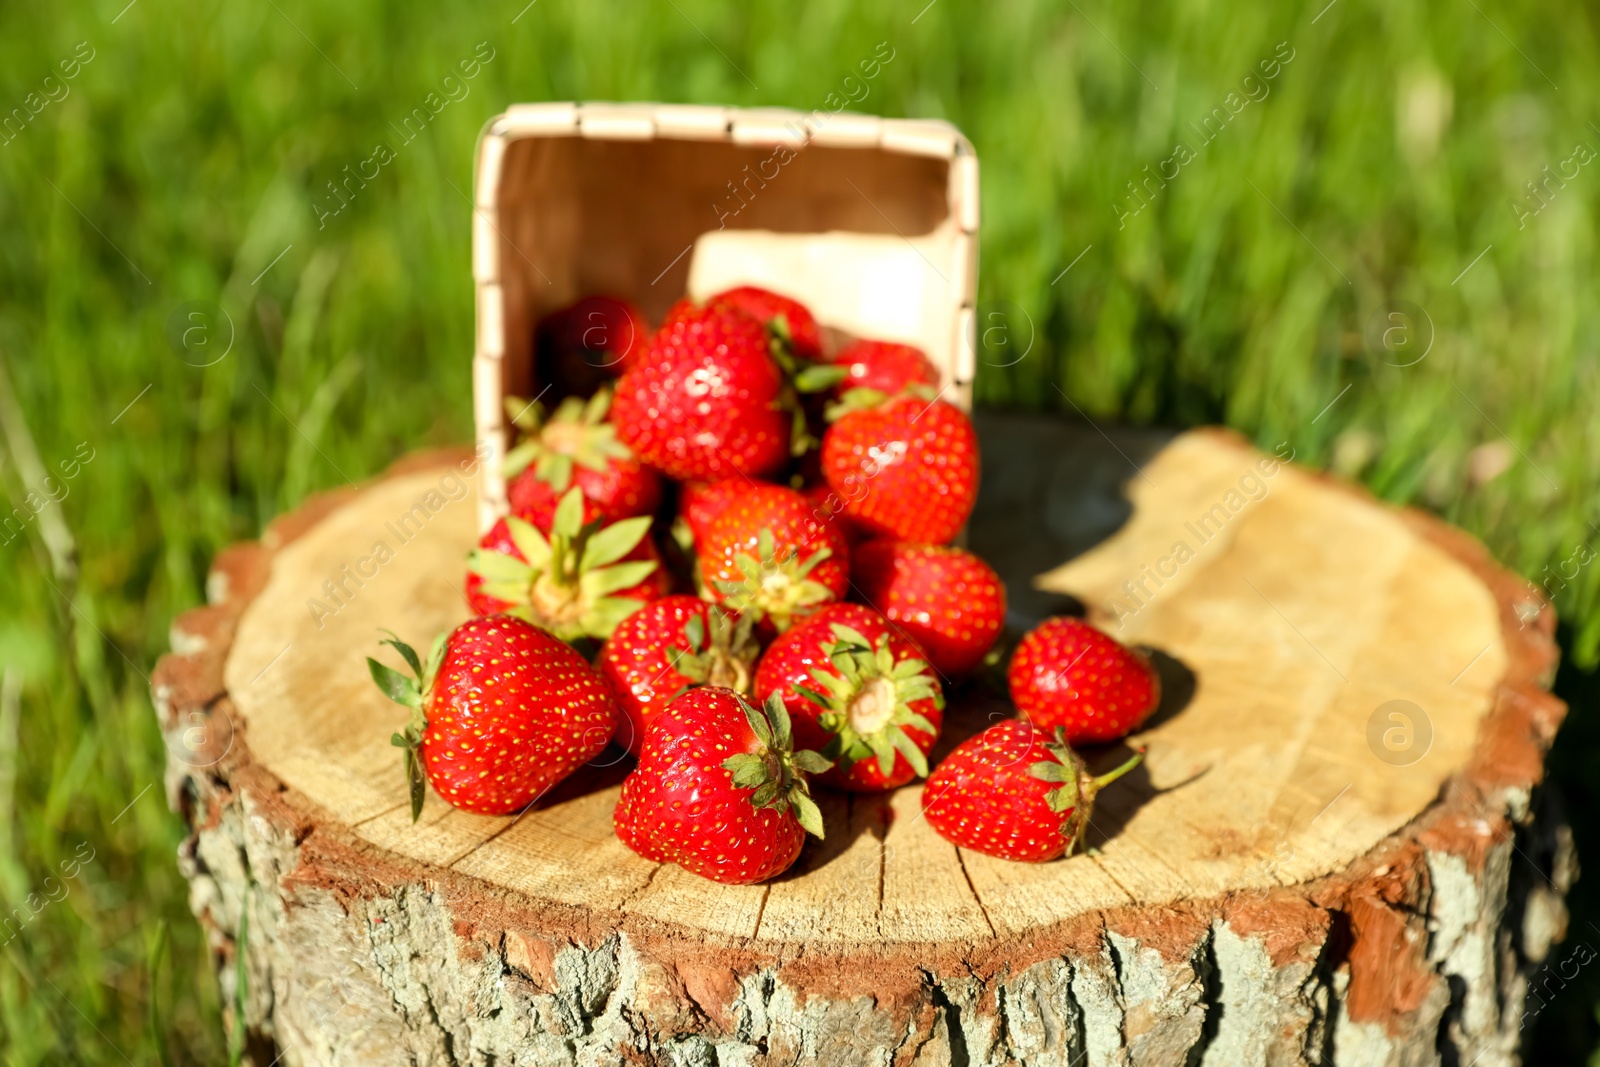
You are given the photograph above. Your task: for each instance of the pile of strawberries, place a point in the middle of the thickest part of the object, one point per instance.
(728, 552)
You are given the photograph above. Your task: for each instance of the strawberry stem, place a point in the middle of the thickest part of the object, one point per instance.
(1110, 776)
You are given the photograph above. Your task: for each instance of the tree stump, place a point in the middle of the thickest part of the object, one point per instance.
(1334, 852)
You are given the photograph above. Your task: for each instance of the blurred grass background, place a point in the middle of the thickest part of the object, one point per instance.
(1381, 173)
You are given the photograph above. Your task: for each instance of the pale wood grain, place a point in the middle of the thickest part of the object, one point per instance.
(1302, 613)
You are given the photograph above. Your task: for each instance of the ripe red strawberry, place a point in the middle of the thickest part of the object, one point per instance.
(719, 790)
(906, 469)
(946, 599)
(500, 712)
(587, 343)
(580, 581)
(575, 446)
(827, 507)
(705, 399)
(700, 502)
(859, 693)
(1067, 674)
(668, 646)
(1014, 792)
(884, 367)
(766, 555)
(788, 320)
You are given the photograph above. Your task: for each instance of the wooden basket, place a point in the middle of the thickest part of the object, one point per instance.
(871, 222)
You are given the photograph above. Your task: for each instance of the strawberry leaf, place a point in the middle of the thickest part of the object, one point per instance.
(435, 657)
(857, 399)
(518, 459)
(851, 639)
(594, 412)
(817, 377)
(555, 468)
(779, 715)
(812, 695)
(806, 812)
(766, 793)
(908, 748)
(748, 769)
(611, 543)
(405, 650)
(812, 560)
(812, 762)
(757, 721)
(525, 415)
(616, 577)
(908, 669)
(569, 410)
(396, 686)
(695, 631)
(1049, 771)
(604, 616)
(801, 439)
(515, 593)
(416, 782)
(498, 567)
(569, 515)
(529, 541)
(882, 747)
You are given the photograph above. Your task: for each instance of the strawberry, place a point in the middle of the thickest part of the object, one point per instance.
(1067, 674)
(948, 600)
(765, 554)
(828, 507)
(906, 469)
(575, 446)
(705, 399)
(700, 502)
(1014, 793)
(585, 344)
(500, 712)
(580, 581)
(859, 693)
(719, 790)
(884, 367)
(790, 321)
(668, 646)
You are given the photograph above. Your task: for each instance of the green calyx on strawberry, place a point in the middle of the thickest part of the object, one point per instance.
(577, 434)
(566, 582)
(863, 397)
(806, 374)
(724, 656)
(775, 585)
(801, 377)
(412, 693)
(867, 702)
(772, 772)
(1076, 787)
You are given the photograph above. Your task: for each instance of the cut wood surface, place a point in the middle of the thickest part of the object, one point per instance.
(1320, 839)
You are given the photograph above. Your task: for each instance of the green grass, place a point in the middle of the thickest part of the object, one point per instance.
(192, 147)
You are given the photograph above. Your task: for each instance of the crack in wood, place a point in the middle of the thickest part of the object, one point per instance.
(977, 898)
